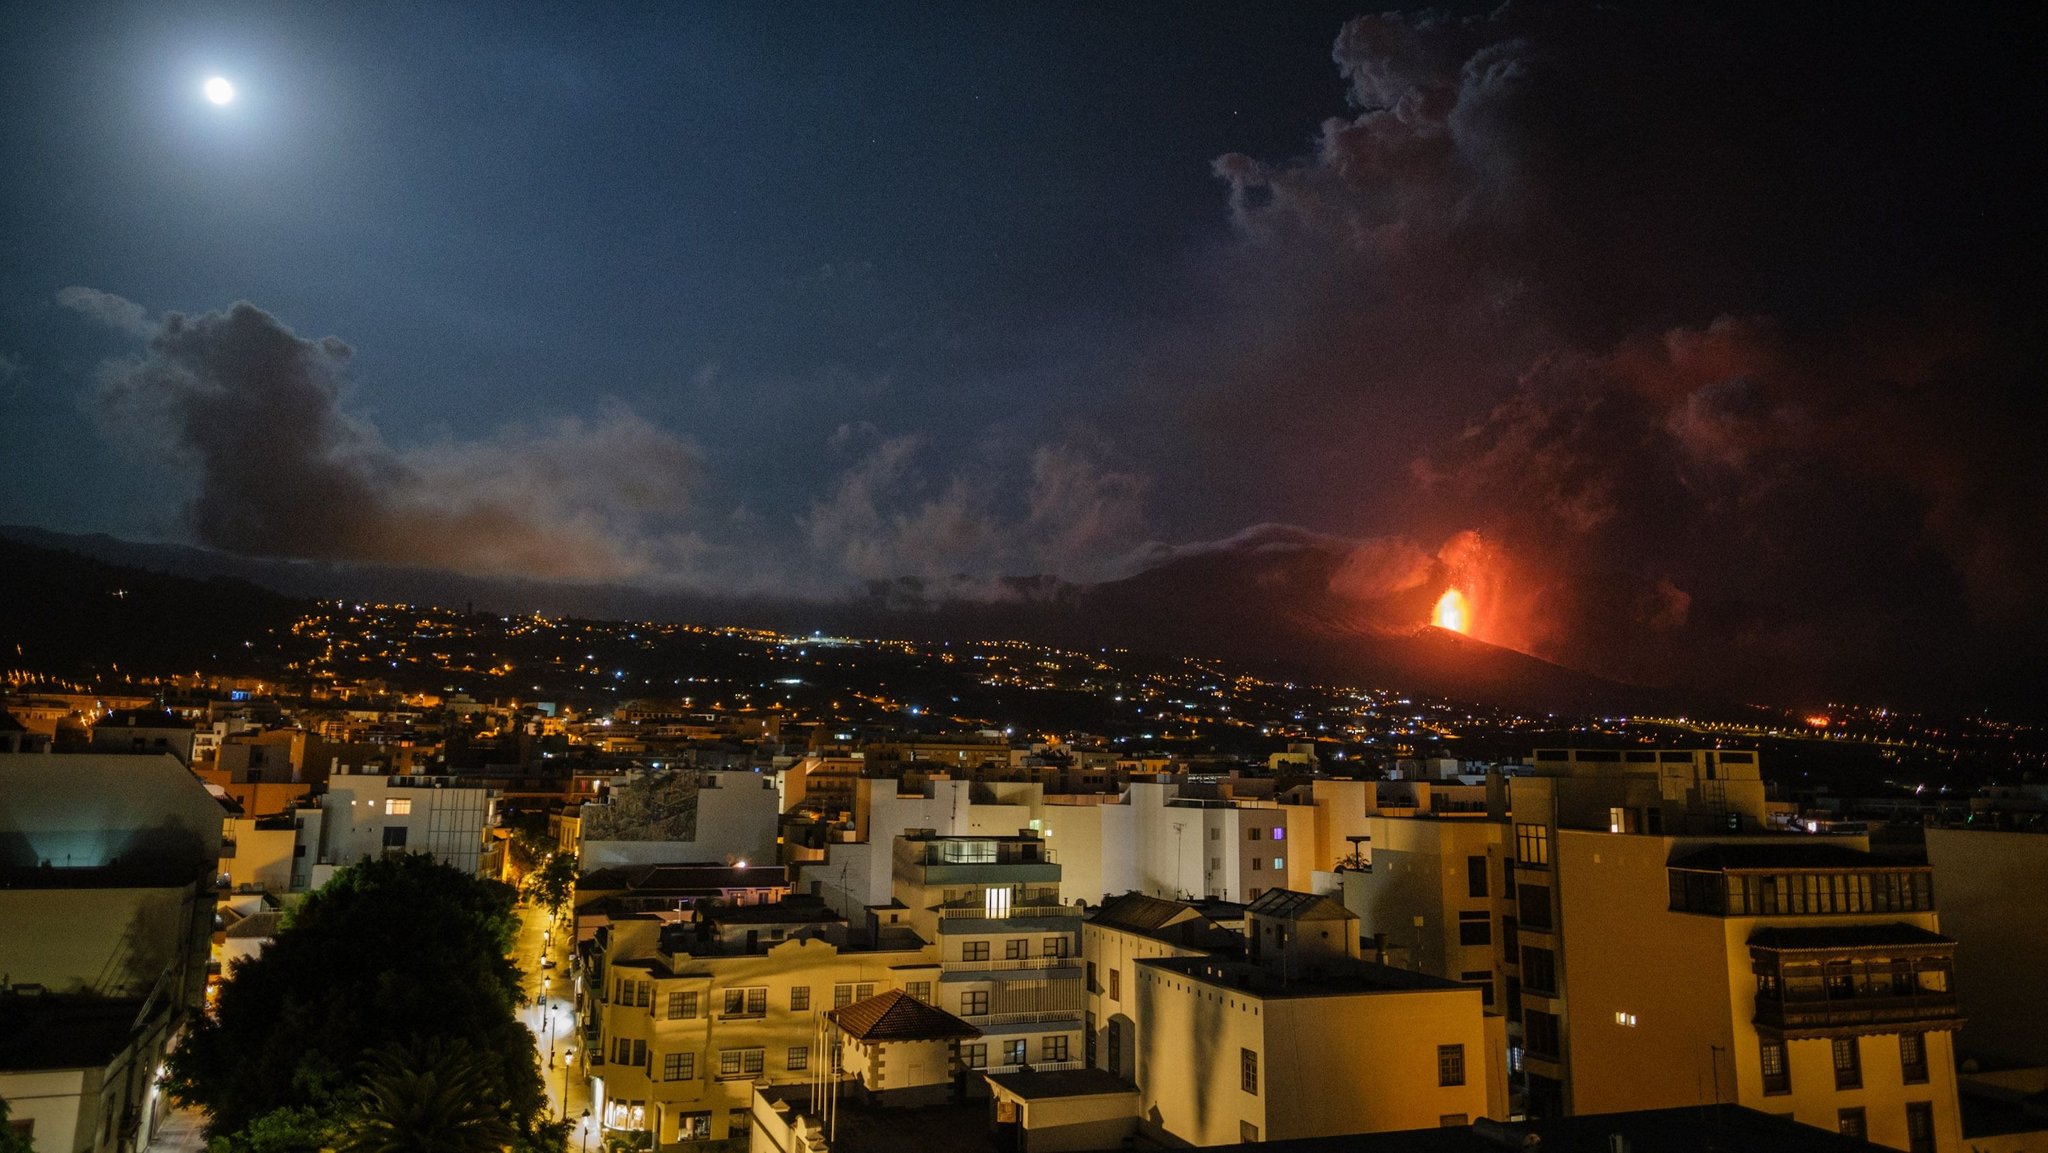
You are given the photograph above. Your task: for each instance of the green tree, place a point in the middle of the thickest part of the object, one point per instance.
(429, 1097)
(393, 951)
(553, 885)
(10, 1141)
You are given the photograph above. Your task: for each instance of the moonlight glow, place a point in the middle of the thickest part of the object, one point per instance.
(219, 90)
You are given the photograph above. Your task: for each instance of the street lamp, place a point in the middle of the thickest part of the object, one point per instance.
(568, 1059)
(586, 1131)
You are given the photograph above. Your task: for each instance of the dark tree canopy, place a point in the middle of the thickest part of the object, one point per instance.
(391, 954)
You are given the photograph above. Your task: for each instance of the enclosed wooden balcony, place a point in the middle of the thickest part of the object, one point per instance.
(1844, 980)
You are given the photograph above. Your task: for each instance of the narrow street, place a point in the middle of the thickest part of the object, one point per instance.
(551, 1013)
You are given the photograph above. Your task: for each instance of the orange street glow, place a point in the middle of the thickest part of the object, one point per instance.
(1450, 612)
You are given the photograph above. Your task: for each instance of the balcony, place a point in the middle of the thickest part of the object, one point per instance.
(1053, 965)
(981, 911)
(1040, 1017)
(1917, 1012)
(1828, 981)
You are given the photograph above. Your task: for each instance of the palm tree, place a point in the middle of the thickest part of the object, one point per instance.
(428, 1097)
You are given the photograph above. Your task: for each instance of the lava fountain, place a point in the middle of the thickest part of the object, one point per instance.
(1451, 612)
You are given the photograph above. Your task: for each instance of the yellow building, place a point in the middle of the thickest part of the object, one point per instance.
(1235, 1051)
(1119, 934)
(688, 1015)
(1010, 949)
(1793, 975)
(1435, 898)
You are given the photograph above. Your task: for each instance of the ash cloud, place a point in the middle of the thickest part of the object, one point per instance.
(1059, 511)
(1709, 324)
(285, 470)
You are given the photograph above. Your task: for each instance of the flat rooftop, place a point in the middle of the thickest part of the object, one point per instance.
(1318, 977)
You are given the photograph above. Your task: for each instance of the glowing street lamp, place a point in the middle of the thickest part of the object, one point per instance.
(586, 1131)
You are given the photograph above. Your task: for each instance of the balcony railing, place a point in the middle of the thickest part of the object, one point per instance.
(983, 913)
(1007, 964)
(1034, 1066)
(1797, 1018)
(1043, 1016)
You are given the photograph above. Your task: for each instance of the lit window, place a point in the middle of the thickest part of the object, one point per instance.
(1627, 1020)
(996, 902)
(397, 806)
(1279, 834)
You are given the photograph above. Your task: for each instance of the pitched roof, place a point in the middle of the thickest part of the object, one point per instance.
(1298, 906)
(898, 1016)
(263, 925)
(1138, 912)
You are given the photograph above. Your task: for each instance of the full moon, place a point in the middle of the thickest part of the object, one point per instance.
(219, 90)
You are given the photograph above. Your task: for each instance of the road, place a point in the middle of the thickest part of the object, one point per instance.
(552, 1016)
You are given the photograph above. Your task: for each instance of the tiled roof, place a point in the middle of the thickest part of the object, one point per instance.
(898, 1016)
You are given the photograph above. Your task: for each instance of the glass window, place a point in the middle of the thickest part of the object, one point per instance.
(1116, 984)
(974, 950)
(1015, 948)
(1777, 1073)
(1013, 1052)
(1248, 1070)
(974, 1003)
(1539, 970)
(922, 990)
(1920, 1127)
(974, 1056)
(1532, 845)
(1913, 1057)
(397, 806)
(1450, 1064)
(1475, 928)
(1533, 903)
(1849, 1122)
(678, 1066)
(682, 1006)
(1848, 1063)
(799, 1058)
(1475, 876)
(799, 998)
(1055, 1048)
(1055, 946)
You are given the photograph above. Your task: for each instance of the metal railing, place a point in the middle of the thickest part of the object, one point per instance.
(982, 913)
(1039, 1017)
(1792, 1016)
(1008, 964)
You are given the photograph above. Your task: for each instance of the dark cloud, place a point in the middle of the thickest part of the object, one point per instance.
(1062, 512)
(284, 470)
(1704, 324)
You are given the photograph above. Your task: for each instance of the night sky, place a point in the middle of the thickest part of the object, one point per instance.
(1670, 332)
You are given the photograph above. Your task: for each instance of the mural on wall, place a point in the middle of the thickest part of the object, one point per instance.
(654, 806)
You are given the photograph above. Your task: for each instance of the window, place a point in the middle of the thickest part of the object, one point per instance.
(974, 1056)
(1116, 984)
(1055, 1049)
(397, 806)
(1013, 1052)
(1777, 1073)
(974, 950)
(1539, 1034)
(1913, 1057)
(1450, 1064)
(682, 1006)
(1247, 1132)
(693, 1127)
(1539, 970)
(1849, 1122)
(394, 836)
(1215, 834)
(1920, 1127)
(678, 1066)
(842, 996)
(1279, 863)
(748, 1002)
(741, 1062)
(1507, 936)
(628, 1052)
(643, 994)
(1475, 876)
(1055, 947)
(922, 990)
(1248, 1071)
(799, 1058)
(1475, 928)
(1481, 979)
(974, 1003)
(1016, 949)
(1088, 1040)
(1533, 903)
(1532, 845)
(1252, 834)
(995, 903)
(1848, 1063)
(799, 998)
(1094, 986)
(1279, 833)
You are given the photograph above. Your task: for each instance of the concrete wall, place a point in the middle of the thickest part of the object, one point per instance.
(1979, 874)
